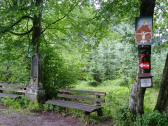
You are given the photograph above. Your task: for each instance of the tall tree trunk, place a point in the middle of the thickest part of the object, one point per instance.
(162, 102)
(37, 28)
(137, 94)
(35, 90)
(147, 8)
(36, 39)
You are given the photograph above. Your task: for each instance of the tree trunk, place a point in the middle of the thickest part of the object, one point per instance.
(162, 102)
(36, 39)
(137, 94)
(137, 99)
(35, 90)
(147, 8)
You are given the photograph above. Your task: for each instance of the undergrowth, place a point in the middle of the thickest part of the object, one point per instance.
(115, 109)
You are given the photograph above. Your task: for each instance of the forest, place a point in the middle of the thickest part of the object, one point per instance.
(89, 45)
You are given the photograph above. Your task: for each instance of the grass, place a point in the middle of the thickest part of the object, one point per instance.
(117, 99)
(115, 107)
(150, 99)
(116, 88)
(106, 86)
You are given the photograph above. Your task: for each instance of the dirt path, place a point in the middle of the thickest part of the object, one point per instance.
(9, 118)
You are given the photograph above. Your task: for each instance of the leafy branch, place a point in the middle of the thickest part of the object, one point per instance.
(8, 28)
(70, 10)
(21, 34)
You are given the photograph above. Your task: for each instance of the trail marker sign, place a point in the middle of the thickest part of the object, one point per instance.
(143, 37)
(145, 80)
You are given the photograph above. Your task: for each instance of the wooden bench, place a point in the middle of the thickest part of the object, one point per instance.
(10, 92)
(87, 101)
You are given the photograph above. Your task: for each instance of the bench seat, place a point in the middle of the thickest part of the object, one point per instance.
(87, 101)
(74, 105)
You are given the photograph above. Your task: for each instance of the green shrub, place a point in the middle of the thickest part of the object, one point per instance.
(57, 73)
(34, 107)
(94, 83)
(158, 59)
(11, 103)
(124, 117)
(22, 103)
(152, 119)
(113, 60)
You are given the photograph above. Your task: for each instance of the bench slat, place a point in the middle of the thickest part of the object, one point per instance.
(74, 105)
(14, 96)
(84, 92)
(76, 97)
(92, 100)
(12, 90)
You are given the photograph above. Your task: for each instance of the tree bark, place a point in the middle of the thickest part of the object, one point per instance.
(35, 90)
(37, 28)
(137, 94)
(147, 8)
(36, 39)
(137, 99)
(162, 102)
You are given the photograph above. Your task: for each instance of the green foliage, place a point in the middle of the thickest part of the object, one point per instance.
(82, 42)
(110, 10)
(14, 60)
(112, 60)
(56, 73)
(11, 103)
(117, 101)
(158, 61)
(49, 107)
(152, 119)
(125, 117)
(22, 103)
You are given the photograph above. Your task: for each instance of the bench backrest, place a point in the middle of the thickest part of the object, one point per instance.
(88, 97)
(8, 89)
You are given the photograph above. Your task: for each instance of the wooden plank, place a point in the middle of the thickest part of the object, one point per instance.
(12, 90)
(69, 96)
(12, 85)
(84, 92)
(73, 105)
(92, 100)
(5, 83)
(14, 96)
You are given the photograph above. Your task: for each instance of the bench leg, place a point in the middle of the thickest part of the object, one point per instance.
(100, 112)
(87, 113)
(1, 90)
(87, 118)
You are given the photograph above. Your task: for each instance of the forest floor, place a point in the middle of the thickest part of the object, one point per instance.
(13, 118)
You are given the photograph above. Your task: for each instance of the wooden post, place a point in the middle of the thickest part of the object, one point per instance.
(98, 103)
